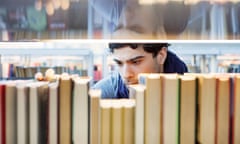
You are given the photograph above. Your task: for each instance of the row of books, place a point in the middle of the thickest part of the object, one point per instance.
(191, 108)
(170, 109)
(234, 68)
(43, 35)
(12, 71)
(41, 112)
(162, 109)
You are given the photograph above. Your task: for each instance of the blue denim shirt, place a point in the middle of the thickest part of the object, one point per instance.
(114, 87)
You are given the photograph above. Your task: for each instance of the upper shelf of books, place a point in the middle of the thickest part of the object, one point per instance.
(117, 19)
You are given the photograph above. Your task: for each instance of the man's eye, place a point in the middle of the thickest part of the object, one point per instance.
(136, 62)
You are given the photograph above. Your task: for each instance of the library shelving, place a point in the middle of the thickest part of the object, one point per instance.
(44, 55)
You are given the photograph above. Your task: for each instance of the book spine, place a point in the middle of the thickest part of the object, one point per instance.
(170, 110)
(206, 109)
(236, 118)
(223, 111)
(153, 110)
(187, 111)
(22, 115)
(53, 115)
(65, 111)
(2, 114)
(95, 95)
(116, 124)
(33, 115)
(139, 116)
(105, 122)
(11, 115)
(128, 121)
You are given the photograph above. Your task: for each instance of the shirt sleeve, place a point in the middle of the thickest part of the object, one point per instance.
(112, 87)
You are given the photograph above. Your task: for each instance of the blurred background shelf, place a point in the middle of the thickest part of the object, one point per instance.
(93, 56)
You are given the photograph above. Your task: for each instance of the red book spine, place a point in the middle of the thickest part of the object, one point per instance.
(2, 114)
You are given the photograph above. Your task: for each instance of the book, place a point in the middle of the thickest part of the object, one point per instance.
(80, 110)
(38, 112)
(206, 108)
(188, 107)
(236, 111)
(30, 72)
(223, 109)
(171, 106)
(65, 108)
(153, 108)
(20, 72)
(1, 69)
(95, 95)
(105, 121)
(128, 121)
(138, 92)
(11, 112)
(53, 113)
(5, 70)
(8, 110)
(2, 114)
(22, 113)
(116, 122)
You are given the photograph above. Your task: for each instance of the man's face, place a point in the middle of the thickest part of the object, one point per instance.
(131, 62)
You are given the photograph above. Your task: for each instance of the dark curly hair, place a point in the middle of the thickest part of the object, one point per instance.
(153, 48)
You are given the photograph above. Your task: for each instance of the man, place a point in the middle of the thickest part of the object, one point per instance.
(135, 58)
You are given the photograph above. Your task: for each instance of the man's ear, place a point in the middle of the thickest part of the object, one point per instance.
(162, 55)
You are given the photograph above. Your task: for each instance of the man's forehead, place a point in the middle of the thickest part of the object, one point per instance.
(129, 47)
(127, 53)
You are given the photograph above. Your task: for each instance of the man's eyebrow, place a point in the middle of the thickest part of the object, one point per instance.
(132, 59)
(136, 58)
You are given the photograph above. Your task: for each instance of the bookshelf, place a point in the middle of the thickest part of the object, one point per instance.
(47, 54)
(201, 56)
(87, 50)
(207, 56)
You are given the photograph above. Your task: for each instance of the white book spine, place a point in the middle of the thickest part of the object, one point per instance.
(76, 114)
(53, 115)
(21, 116)
(33, 115)
(80, 112)
(84, 113)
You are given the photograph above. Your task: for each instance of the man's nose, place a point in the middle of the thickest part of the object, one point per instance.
(127, 71)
